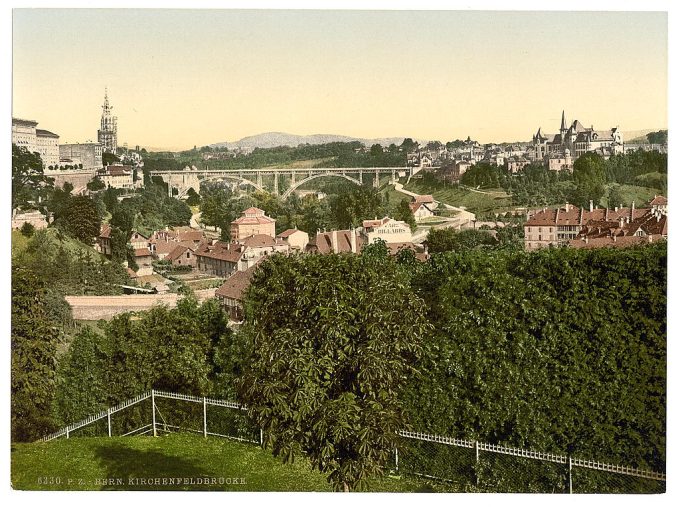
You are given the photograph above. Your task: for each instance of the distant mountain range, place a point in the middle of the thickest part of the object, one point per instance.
(274, 139)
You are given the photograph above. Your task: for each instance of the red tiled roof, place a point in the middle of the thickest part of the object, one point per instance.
(142, 252)
(116, 170)
(236, 284)
(105, 231)
(423, 198)
(323, 242)
(571, 215)
(165, 247)
(258, 241)
(659, 200)
(288, 232)
(253, 211)
(177, 252)
(131, 273)
(230, 252)
(367, 224)
(253, 220)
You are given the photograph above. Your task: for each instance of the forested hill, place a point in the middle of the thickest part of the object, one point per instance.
(276, 139)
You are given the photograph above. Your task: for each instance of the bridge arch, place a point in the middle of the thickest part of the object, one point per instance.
(297, 184)
(223, 177)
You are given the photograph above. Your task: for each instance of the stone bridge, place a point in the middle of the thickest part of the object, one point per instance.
(191, 178)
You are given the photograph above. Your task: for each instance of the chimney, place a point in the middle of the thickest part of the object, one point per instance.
(586, 239)
(614, 238)
(616, 208)
(620, 222)
(591, 205)
(334, 241)
(632, 210)
(353, 240)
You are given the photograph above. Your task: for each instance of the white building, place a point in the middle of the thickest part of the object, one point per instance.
(386, 229)
(116, 176)
(296, 239)
(44, 142)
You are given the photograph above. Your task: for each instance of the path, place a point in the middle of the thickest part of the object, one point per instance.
(461, 221)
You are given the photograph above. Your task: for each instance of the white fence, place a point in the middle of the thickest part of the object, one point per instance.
(431, 462)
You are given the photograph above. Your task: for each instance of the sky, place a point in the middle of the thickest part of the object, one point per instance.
(179, 78)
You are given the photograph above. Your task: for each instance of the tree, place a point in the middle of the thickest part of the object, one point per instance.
(660, 137)
(95, 185)
(194, 199)
(27, 229)
(325, 378)
(403, 212)
(109, 158)
(590, 177)
(615, 197)
(28, 180)
(81, 219)
(448, 240)
(34, 353)
(409, 145)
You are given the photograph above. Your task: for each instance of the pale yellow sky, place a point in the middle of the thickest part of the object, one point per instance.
(179, 78)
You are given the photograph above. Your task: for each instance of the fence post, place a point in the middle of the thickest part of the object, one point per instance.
(67, 431)
(205, 419)
(396, 459)
(476, 463)
(153, 411)
(108, 420)
(570, 484)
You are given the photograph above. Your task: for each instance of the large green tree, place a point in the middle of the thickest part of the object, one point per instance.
(29, 183)
(590, 177)
(35, 337)
(332, 339)
(81, 219)
(449, 240)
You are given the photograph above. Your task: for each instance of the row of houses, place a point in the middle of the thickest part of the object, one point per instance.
(253, 238)
(594, 227)
(557, 152)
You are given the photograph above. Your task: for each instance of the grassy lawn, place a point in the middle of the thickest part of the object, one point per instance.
(120, 463)
(630, 193)
(476, 202)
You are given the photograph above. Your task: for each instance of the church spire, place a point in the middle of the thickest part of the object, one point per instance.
(563, 126)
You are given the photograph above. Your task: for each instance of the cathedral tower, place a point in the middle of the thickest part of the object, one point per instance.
(107, 135)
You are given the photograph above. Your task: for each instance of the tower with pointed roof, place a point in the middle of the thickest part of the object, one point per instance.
(107, 134)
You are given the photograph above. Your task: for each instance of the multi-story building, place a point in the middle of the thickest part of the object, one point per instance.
(387, 230)
(87, 154)
(569, 225)
(577, 139)
(252, 221)
(44, 142)
(117, 176)
(107, 135)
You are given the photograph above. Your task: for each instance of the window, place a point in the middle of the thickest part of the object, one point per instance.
(188, 255)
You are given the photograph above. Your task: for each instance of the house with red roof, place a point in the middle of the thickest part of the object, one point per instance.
(594, 227)
(231, 293)
(252, 222)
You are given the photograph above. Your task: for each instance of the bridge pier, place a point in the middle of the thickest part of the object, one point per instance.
(292, 178)
(376, 180)
(276, 184)
(259, 178)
